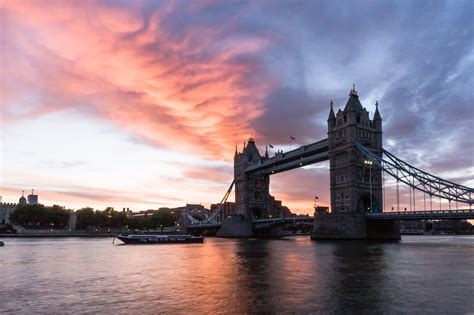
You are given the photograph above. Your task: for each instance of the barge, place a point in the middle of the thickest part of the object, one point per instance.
(142, 239)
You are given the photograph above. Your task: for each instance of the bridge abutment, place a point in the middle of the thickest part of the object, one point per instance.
(353, 226)
(335, 226)
(235, 226)
(383, 230)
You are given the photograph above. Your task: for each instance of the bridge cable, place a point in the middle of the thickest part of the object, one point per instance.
(424, 200)
(409, 191)
(383, 190)
(215, 216)
(414, 200)
(398, 193)
(417, 178)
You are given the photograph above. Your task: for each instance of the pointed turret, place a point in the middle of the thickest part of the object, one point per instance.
(236, 152)
(251, 149)
(377, 121)
(353, 104)
(331, 113)
(266, 152)
(377, 116)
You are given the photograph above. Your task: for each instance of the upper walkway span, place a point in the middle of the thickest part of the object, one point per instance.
(305, 155)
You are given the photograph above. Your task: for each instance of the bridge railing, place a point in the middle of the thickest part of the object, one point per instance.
(423, 215)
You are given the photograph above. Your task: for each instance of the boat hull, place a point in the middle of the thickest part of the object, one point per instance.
(158, 239)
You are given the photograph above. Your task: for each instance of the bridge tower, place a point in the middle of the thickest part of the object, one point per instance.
(355, 183)
(252, 193)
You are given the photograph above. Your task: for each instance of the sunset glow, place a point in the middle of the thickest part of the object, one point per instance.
(141, 104)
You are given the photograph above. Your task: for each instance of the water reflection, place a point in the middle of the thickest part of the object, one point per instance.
(359, 274)
(237, 276)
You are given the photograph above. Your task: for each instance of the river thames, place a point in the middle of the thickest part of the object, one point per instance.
(420, 274)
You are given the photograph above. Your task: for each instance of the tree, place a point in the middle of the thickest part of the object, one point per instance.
(85, 218)
(39, 216)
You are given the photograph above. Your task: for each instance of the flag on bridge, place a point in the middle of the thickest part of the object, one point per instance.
(293, 138)
(316, 197)
(270, 146)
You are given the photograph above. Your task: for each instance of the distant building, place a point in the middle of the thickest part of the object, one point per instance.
(22, 200)
(321, 210)
(436, 227)
(32, 199)
(5, 210)
(228, 208)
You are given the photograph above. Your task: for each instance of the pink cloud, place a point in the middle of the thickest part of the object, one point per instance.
(187, 93)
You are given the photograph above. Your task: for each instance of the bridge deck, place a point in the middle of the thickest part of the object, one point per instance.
(305, 155)
(422, 215)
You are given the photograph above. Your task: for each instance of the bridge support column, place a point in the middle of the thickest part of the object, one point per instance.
(182, 227)
(335, 226)
(383, 230)
(353, 226)
(235, 226)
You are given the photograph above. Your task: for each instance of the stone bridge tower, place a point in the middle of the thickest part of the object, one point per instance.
(350, 173)
(252, 192)
(355, 184)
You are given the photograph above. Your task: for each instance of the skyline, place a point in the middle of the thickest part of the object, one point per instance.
(141, 105)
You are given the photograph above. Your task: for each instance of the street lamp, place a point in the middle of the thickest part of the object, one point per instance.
(369, 165)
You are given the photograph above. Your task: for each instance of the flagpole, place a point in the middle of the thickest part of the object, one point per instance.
(291, 143)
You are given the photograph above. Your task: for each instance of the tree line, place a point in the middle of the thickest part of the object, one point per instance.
(40, 216)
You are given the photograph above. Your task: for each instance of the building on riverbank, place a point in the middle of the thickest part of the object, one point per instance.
(6, 209)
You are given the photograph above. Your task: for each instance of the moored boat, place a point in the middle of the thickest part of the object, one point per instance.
(136, 239)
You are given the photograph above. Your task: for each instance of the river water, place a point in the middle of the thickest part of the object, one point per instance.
(418, 275)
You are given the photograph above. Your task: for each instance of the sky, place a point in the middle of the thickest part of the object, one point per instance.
(141, 104)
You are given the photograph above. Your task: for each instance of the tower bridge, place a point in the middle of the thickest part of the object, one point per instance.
(354, 144)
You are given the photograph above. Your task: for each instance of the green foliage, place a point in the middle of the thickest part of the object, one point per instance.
(85, 218)
(40, 216)
(109, 218)
(155, 220)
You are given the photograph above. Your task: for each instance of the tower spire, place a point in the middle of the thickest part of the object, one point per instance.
(331, 113)
(266, 152)
(377, 116)
(353, 92)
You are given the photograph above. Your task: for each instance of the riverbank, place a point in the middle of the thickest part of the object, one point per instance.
(36, 235)
(27, 233)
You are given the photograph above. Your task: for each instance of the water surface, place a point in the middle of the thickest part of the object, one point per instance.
(75, 275)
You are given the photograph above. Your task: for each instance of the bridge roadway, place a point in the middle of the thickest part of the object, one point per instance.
(423, 215)
(261, 224)
(305, 155)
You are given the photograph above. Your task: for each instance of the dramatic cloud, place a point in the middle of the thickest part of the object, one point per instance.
(191, 79)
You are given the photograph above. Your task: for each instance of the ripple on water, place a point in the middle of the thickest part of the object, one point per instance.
(416, 275)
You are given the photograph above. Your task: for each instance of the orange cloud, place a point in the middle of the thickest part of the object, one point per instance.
(191, 92)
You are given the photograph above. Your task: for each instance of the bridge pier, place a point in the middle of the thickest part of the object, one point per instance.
(353, 226)
(235, 226)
